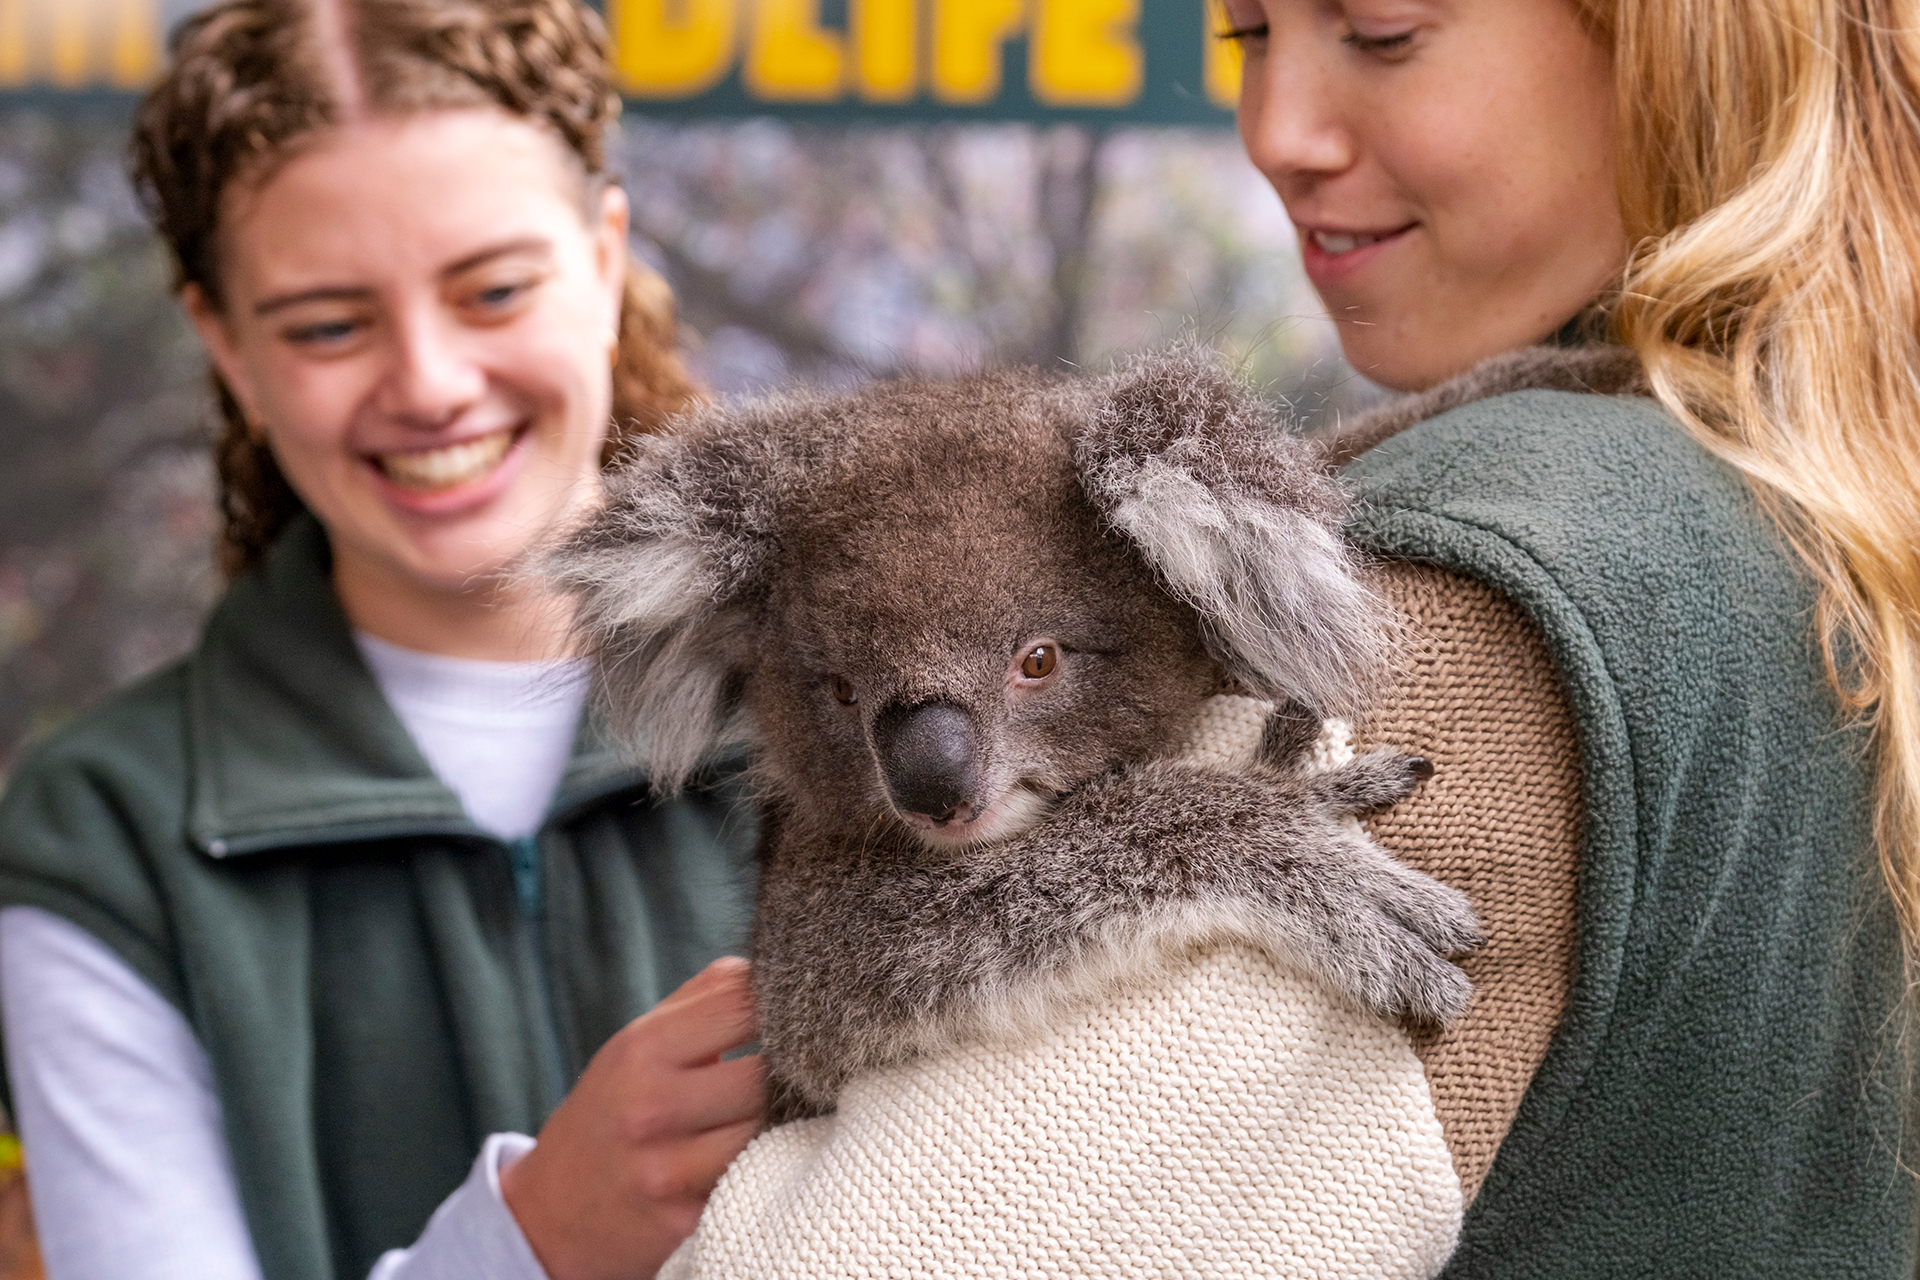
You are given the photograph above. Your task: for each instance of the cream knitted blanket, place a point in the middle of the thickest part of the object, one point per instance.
(1235, 1121)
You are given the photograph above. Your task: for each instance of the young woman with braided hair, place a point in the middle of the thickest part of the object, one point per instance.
(289, 929)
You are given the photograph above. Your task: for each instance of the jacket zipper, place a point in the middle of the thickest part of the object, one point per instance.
(524, 858)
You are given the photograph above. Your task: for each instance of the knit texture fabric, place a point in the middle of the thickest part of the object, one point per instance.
(1476, 693)
(1235, 1121)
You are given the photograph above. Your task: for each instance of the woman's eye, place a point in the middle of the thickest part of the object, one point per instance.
(1040, 662)
(843, 691)
(1400, 42)
(325, 333)
(500, 293)
(1251, 33)
(501, 298)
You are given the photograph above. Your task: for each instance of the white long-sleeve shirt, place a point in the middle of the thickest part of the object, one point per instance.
(113, 1095)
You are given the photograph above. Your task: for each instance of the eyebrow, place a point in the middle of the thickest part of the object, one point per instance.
(349, 293)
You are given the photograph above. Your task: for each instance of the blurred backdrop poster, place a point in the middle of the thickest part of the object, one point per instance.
(837, 191)
(1118, 61)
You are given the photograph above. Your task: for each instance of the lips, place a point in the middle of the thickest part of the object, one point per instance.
(1335, 258)
(448, 466)
(1338, 243)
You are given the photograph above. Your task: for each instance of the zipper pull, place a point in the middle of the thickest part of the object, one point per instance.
(524, 853)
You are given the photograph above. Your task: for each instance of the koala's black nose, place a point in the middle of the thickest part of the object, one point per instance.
(926, 753)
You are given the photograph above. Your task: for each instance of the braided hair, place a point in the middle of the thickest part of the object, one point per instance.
(249, 80)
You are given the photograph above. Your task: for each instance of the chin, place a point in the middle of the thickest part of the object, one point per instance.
(1401, 364)
(478, 546)
(459, 566)
(1018, 808)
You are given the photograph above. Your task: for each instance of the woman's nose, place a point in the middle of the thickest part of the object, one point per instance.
(434, 374)
(1291, 119)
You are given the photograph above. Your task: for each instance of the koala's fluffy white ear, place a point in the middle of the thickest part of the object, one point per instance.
(1241, 520)
(665, 574)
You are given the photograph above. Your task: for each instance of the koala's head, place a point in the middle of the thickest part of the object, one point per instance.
(941, 605)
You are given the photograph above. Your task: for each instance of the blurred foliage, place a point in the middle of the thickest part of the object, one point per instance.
(837, 256)
(817, 255)
(105, 518)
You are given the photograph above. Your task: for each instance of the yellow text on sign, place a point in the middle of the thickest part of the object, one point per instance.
(671, 50)
(1080, 53)
(79, 44)
(1084, 53)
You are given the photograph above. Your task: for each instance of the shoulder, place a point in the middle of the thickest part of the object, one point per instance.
(91, 808)
(132, 746)
(1553, 465)
(1596, 514)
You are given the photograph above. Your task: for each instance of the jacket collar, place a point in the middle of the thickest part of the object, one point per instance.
(290, 742)
(1564, 364)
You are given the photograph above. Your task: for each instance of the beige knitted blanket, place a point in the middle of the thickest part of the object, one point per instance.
(1235, 1121)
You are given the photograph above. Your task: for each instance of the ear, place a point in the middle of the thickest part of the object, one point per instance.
(209, 322)
(611, 255)
(1241, 520)
(666, 576)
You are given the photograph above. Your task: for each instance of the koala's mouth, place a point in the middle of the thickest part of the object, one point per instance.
(1010, 813)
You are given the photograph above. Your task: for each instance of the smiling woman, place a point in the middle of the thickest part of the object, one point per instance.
(1436, 232)
(418, 322)
(1652, 526)
(289, 929)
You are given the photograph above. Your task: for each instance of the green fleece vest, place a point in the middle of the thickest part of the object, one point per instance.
(255, 833)
(1722, 1097)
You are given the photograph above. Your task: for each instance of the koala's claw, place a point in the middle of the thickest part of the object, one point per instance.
(1387, 940)
(1372, 781)
(1404, 978)
(1433, 991)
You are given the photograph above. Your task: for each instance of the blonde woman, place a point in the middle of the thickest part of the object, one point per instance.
(1664, 642)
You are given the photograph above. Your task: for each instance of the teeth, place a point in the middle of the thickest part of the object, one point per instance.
(455, 464)
(1338, 242)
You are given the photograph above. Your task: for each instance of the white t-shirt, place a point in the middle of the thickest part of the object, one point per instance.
(113, 1095)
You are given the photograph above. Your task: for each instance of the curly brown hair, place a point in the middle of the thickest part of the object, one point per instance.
(249, 80)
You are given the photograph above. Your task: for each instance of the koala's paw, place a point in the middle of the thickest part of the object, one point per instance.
(1375, 780)
(1386, 938)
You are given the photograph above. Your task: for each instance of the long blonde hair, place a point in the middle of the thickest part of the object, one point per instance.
(1769, 178)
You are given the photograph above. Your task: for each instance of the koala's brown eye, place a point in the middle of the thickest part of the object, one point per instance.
(843, 690)
(1040, 662)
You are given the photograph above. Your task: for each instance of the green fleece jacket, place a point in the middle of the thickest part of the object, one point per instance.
(1722, 1098)
(254, 832)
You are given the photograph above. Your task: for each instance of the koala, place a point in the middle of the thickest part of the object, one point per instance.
(964, 626)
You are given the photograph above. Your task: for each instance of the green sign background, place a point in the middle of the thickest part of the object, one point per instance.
(75, 53)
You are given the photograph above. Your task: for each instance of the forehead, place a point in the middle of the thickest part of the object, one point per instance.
(397, 197)
(961, 530)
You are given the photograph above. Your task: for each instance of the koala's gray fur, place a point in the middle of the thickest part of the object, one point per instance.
(913, 541)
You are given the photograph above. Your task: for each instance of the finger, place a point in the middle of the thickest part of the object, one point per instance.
(690, 1169)
(705, 1025)
(725, 1094)
(724, 974)
(690, 1038)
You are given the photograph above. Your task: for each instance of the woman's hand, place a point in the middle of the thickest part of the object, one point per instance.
(624, 1165)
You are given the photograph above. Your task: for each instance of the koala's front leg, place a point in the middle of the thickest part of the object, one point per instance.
(1368, 782)
(902, 952)
(1269, 856)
